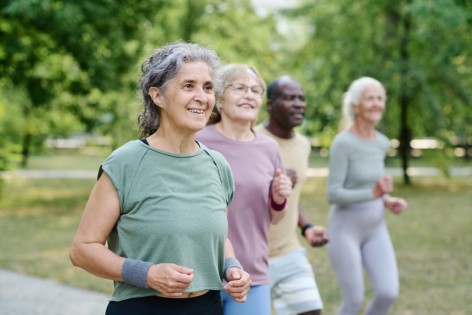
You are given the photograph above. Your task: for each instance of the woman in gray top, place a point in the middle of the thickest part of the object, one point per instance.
(358, 190)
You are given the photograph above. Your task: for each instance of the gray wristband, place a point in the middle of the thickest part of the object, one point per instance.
(134, 272)
(230, 262)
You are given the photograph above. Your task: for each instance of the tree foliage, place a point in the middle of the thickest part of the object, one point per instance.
(65, 53)
(75, 64)
(78, 62)
(419, 49)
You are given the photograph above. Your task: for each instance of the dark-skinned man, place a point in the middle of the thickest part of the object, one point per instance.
(293, 285)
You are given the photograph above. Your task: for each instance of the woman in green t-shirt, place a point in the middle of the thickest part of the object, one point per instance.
(155, 222)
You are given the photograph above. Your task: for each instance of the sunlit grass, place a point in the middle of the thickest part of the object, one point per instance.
(432, 242)
(38, 220)
(78, 159)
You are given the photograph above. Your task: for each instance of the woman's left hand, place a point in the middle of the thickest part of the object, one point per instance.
(281, 186)
(239, 284)
(396, 205)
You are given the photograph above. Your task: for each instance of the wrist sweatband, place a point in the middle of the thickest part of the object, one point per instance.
(274, 205)
(278, 207)
(230, 262)
(306, 227)
(134, 272)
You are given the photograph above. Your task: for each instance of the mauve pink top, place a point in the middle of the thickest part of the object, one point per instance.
(253, 165)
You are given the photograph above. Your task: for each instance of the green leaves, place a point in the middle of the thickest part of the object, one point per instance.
(78, 61)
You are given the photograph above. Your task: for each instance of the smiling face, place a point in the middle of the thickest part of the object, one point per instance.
(371, 105)
(188, 99)
(241, 107)
(288, 108)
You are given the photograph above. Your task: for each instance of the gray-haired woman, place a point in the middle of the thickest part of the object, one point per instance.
(155, 222)
(358, 190)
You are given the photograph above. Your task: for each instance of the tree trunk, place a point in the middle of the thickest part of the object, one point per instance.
(405, 138)
(25, 151)
(405, 99)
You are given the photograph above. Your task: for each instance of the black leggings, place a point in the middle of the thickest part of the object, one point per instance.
(206, 304)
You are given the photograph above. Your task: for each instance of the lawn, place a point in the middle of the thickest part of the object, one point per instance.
(83, 159)
(432, 241)
(38, 219)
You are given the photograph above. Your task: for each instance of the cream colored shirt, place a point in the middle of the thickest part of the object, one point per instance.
(283, 237)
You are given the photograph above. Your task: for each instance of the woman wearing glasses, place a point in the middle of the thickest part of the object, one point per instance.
(260, 181)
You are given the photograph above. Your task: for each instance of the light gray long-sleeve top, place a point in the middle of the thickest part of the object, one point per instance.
(355, 165)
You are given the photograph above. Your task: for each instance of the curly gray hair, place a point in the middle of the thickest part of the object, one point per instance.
(161, 67)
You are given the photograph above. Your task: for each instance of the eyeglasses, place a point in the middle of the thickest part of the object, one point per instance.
(241, 89)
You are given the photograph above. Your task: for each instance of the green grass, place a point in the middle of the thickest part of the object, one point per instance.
(38, 220)
(82, 159)
(432, 241)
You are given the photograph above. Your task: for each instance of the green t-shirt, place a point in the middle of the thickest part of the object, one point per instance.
(172, 211)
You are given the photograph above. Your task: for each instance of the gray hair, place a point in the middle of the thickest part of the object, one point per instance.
(161, 67)
(352, 97)
(227, 74)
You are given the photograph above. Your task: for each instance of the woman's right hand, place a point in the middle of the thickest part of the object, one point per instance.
(170, 280)
(383, 186)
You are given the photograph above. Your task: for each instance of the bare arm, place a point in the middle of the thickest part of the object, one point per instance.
(98, 219)
(90, 253)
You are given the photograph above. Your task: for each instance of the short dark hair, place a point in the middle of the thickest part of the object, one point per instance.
(273, 90)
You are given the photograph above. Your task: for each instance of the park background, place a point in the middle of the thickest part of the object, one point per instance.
(68, 96)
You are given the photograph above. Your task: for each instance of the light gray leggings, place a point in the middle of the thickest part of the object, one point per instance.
(358, 238)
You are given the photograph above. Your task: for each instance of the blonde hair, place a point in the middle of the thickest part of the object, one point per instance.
(227, 74)
(352, 97)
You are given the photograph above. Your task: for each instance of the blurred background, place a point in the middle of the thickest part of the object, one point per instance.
(69, 69)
